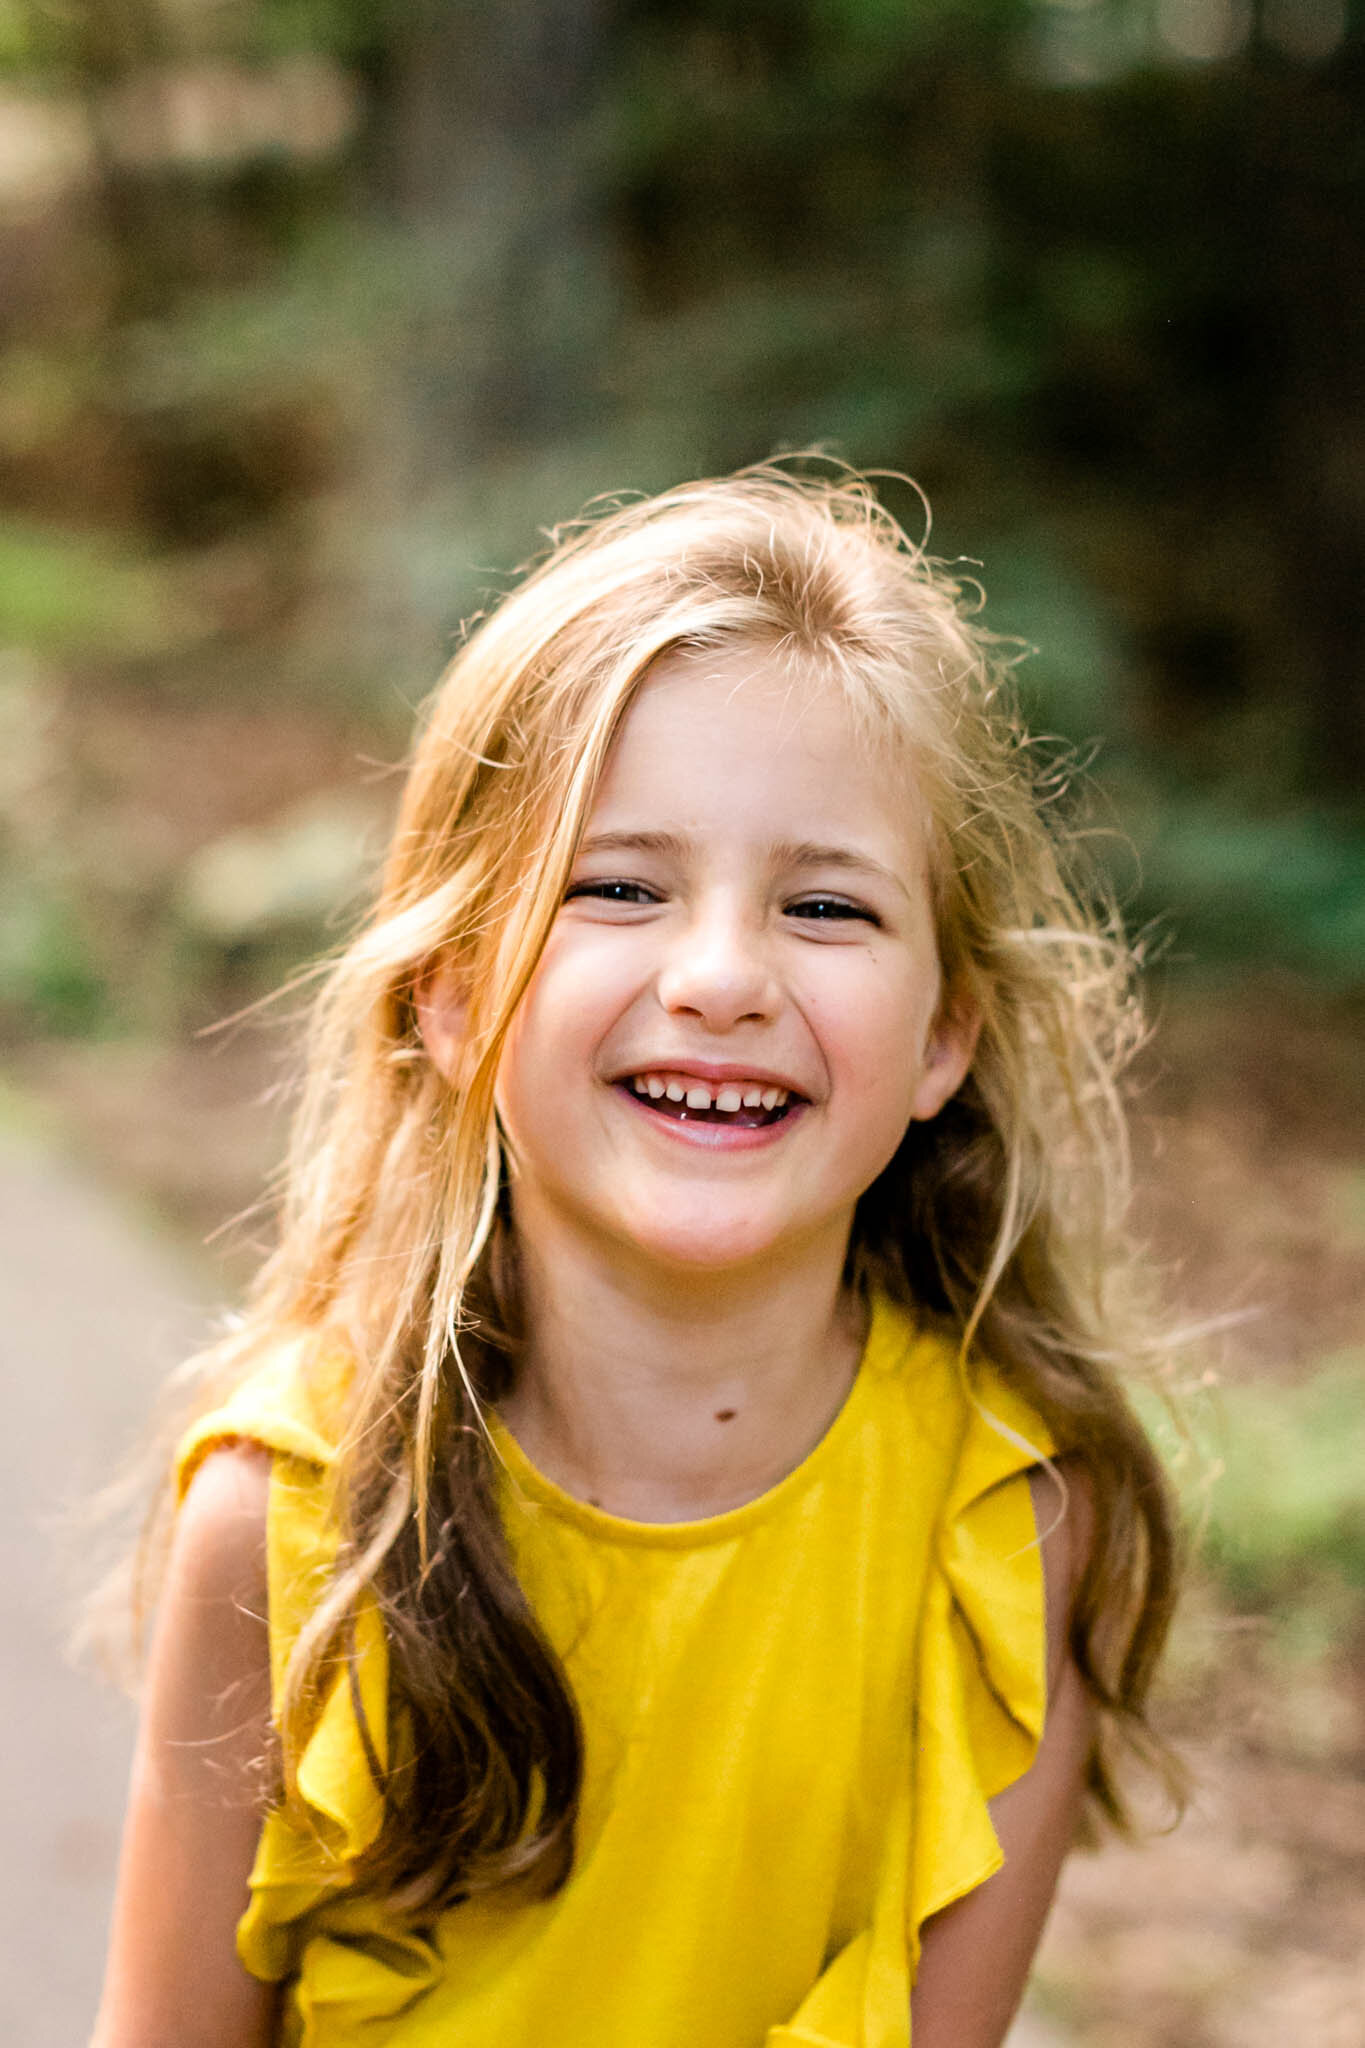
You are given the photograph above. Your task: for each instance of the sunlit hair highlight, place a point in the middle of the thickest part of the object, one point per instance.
(1002, 1221)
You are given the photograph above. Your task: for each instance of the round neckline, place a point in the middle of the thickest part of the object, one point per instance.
(528, 1480)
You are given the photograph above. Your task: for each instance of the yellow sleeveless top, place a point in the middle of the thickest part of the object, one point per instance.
(794, 1715)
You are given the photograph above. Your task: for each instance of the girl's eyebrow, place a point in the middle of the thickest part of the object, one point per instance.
(811, 853)
(781, 854)
(669, 844)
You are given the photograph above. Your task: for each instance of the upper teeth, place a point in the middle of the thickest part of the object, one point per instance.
(728, 1095)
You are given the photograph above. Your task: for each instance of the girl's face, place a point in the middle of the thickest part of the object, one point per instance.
(740, 1007)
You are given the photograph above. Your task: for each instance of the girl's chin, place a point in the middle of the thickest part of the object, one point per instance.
(715, 1247)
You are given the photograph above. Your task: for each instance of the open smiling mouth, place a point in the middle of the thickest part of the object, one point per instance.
(743, 1105)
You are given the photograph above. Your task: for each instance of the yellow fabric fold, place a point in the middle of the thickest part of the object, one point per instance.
(983, 1655)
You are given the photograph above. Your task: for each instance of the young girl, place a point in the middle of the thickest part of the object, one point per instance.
(672, 1552)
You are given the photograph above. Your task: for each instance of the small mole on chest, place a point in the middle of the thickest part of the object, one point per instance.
(725, 1414)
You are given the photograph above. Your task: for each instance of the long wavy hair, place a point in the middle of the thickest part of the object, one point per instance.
(1003, 1219)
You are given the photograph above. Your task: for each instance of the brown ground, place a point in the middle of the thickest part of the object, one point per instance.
(1245, 1928)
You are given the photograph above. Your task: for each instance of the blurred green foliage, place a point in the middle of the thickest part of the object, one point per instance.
(77, 593)
(351, 301)
(1286, 1530)
(49, 979)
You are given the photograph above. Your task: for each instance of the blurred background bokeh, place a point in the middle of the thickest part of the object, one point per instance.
(315, 314)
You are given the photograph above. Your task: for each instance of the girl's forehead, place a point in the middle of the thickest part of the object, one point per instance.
(788, 699)
(757, 734)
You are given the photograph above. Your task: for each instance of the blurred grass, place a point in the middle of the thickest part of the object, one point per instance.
(49, 977)
(1286, 1528)
(1272, 1476)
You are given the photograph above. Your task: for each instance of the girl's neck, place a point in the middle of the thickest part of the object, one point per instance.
(664, 1398)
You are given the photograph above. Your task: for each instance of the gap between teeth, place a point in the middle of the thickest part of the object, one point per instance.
(728, 1097)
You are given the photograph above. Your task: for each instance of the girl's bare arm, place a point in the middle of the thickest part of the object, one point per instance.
(195, 1801)
(976, 1953)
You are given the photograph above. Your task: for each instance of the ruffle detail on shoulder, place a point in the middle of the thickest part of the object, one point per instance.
(982, 1692)
(293, 1403)
(294, 1407)
(980, 1698)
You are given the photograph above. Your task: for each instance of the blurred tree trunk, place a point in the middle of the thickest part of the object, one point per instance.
(148, 215)
(482, 160)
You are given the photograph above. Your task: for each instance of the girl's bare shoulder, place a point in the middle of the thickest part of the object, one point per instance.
(200, 1772)
(219, 1545)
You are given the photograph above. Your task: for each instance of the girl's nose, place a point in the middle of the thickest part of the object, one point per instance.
(718, 971)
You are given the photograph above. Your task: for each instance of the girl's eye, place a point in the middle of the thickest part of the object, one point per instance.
(831, 907)
(613, 892)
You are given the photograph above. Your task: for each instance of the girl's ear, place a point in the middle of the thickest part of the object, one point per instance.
(949, 1052)
(442, 1005)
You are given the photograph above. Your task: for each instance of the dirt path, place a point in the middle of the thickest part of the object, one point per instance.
(92, 1313)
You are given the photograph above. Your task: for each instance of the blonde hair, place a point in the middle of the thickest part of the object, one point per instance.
(1003, 1218)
